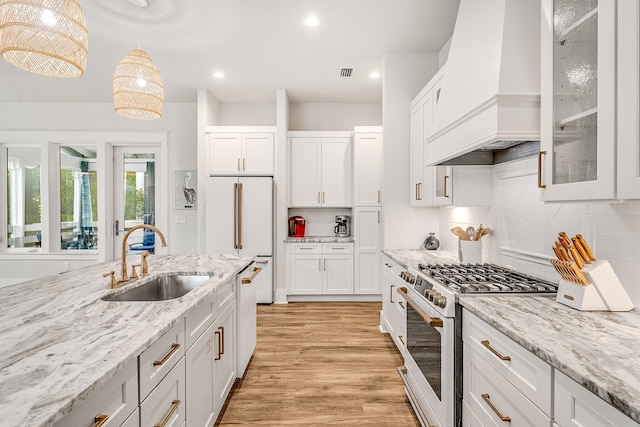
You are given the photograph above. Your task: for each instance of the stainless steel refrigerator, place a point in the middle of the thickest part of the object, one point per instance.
(239, 215)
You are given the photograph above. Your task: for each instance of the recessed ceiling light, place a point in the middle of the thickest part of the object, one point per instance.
(218, 74)
(311, 21)
(375, 75)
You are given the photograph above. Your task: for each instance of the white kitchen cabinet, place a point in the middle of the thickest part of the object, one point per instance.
(116, 400)
(442, 185)
(199, 376)
(157, 360)
(320, 171)
(423, 109)
(575, 406)
(246, 316)
(578, 100)
(166, 403)
(224, 330)
(461, 186)
(241, 151)
(628, 137)
(320, 268)
(393, 316)
(367, 169)
(366, 234)
(133, 420)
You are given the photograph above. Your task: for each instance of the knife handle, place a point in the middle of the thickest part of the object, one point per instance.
(576, 257)
(557, 252)
(581, 250)
(563, 252)
(564, 239)
(586, 247)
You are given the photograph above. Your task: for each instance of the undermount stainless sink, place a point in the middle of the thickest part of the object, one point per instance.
(162, 288)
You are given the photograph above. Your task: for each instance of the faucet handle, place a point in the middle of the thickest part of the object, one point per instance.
(134, 273)
(145, 264)
(113, 283)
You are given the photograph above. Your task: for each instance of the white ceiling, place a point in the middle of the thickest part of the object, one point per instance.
(260, 45)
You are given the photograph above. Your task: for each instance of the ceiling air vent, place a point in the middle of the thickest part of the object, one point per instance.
(346, 72)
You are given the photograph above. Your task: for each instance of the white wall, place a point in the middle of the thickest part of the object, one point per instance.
(405, 74)
(526, 228)
(334, 116)
(247, 115)
(179, 119)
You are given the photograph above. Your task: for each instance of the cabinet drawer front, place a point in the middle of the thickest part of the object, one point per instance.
(199, 319)
(160, 357)
(225, 293)
(117, 399)
(524, 370)
(337, 248)
(306, 248)
(391, 266)
(167, 401)
(576, 406)
(490, 396)
(133, 420)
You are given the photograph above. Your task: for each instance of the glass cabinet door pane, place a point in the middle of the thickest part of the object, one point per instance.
(23, 198)
(78, 198)
(575, 74)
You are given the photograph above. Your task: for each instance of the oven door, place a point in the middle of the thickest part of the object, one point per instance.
(430, 360)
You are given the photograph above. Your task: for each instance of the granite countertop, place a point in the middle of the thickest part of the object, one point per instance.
(60, 341)
(599, 350)
(319, 239)
(410, 258)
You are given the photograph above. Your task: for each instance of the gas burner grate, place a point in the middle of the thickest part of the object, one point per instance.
(485, 278)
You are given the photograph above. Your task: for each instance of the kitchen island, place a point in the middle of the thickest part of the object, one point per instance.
(61, 342)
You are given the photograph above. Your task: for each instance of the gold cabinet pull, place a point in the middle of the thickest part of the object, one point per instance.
(256, 271)
(240, 215)
(323, 197)
(387, 264)
(378, 196)
(391, 292)
(221, 328)
(401, 340)
(318, 197)
(436, 322)
(174, 348)
(217, 334)
(100, 419)
(502, 417)
(417, 191)
(165, 420)
(235, 215)
(540, 184)
(238, 164)
(401, 304)
(494, 351)
(446, 177)
(244, 165)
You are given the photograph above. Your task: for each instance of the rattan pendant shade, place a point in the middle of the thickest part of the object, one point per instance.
(138, 92)
(47, 37)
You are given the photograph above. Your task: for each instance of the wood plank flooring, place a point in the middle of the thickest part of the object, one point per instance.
(320, 363)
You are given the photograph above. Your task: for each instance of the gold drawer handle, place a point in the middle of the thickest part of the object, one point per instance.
(256, 271)
(494, 351)
(401, 340)
(174, 347)
(100, 419)
(540, 184)
(217, 334)
(436, 322)
(400, 304)
(165, 420)
(502, 417)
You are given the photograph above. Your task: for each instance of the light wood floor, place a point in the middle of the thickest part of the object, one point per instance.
(320, 364)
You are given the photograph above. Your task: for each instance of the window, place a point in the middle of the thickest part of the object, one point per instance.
(24, 208)
(78, 198)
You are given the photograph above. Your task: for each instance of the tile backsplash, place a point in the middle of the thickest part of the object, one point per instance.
(525, 228)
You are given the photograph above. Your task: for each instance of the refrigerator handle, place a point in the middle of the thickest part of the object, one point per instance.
(235, 215)
(240, 216)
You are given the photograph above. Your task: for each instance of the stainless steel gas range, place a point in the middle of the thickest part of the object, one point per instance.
(433, 366)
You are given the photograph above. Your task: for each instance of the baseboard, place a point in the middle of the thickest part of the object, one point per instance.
(334, 298)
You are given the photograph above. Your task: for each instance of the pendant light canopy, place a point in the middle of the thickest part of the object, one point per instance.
(138, 92)
(47, 37)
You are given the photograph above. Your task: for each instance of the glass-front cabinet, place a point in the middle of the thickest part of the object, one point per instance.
(577, 158)
(628, 99)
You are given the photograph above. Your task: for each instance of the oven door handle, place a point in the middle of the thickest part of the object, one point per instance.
(436, 322)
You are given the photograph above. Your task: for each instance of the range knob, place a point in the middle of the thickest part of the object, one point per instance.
(441, 301)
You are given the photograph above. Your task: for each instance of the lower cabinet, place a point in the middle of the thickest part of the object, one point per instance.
(366, 233)
(394, 315)
(165, 406)
(321, 268)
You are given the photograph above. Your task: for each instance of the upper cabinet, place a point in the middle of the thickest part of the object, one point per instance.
(241, 150)
(628, 99)
(578, 83)
(320, 169)
(367, 168)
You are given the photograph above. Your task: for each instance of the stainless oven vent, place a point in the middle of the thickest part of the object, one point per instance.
(346, 72)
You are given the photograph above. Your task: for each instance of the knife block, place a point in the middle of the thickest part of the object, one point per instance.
(603, 293)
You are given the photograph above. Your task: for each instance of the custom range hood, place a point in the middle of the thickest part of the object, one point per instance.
(489, 100)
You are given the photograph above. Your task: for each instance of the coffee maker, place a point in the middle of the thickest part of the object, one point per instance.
(343, 226)
(296, 226)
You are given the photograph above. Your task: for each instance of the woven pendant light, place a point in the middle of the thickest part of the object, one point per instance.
(47, 37)
(138, 92)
